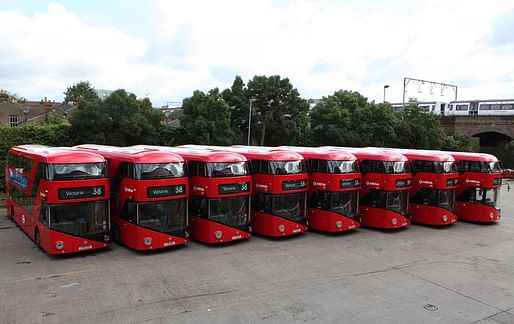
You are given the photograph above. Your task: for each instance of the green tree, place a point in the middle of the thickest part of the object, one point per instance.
(346, 118)
(418, 129)
(120, 119)
(280, 114)
(237, 99)
(53, 134)
(80, 91)
(458, 142)
(206, 119)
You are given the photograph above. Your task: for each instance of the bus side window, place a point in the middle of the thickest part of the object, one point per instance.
(313, 165)
(256, 164)
(417, 166)
(43, 213)
(130, 212)
(121, 172)
(366, 166)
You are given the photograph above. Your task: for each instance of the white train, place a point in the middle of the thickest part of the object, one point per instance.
(489, 107)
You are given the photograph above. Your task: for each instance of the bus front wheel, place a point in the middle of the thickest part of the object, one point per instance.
(116, 234)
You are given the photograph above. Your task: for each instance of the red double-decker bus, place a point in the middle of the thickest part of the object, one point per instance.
(334, 184)
(280, 184)
(149, 191)
(384, 194)
(434, 179)
(221, 186)
(478, 192)
(59, 197)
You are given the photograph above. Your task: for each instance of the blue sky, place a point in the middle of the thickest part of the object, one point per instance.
(168, 49)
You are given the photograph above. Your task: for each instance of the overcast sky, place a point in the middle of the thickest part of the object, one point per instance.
(167, 49)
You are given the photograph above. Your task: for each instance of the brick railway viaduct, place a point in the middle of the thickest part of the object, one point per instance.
(491, 130)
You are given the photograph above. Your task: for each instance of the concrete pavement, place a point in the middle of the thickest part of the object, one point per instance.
(463, 273)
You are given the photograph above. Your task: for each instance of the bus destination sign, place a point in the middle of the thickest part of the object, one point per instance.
(82, 192)
(294, 185)
(166, 191)
(231, 188)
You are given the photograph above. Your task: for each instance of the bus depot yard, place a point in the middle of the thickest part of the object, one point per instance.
(461, 273)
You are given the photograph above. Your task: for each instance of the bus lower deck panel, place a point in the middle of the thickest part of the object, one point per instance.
(328, 221)
(272, 225)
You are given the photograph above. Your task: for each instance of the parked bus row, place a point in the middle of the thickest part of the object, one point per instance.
(151, 197)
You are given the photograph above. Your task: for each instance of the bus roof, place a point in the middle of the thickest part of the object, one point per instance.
(132, 154)
(320, 154)
(367, 154)
(469, 156)
(56, 155)
(415, 154)
(203, 155)
(252, 152)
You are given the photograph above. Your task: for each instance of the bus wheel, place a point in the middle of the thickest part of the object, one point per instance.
(37, 238)
(116, 234)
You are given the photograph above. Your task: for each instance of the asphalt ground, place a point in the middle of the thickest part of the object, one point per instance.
(463, 273)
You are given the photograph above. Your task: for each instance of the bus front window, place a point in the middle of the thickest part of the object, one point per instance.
(290, 206)
(231, 211)
(398, 201)
(488, 197)
(80, 218)
(345, 203)
(168, 216)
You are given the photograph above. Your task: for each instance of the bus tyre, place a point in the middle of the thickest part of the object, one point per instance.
(37, 238)
(116, 234)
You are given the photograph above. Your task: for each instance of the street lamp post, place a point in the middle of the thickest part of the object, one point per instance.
(250, 120)
(385, 87)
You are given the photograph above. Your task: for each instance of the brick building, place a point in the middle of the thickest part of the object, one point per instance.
(31, 112)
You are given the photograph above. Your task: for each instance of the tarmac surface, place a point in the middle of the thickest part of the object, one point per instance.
(463, 273)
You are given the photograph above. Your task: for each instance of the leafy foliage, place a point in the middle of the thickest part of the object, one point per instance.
(239, 103)
(120, 119)
(53, 134)
(346, 118)
(418, 129)
(206, 119)
(80, 91)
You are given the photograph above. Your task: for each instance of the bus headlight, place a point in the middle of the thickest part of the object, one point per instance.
(250, 229)
(59, 245)
(281, 228)
(107, 238)
(394, 221)
(218, 234)
(445, 218)
(339, 224)
(186, 234)
(147, 241)
(491, 215)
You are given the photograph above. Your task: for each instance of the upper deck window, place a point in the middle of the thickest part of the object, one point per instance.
(159, 170)
(387, 167)
(480, 167)
(333, 166)
(278, 167)
(71, 171)
(218, 169)
(433, 166)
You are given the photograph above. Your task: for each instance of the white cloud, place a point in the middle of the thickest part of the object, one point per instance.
(320, 46)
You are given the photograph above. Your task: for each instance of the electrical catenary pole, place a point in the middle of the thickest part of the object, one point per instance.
(433, 84)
